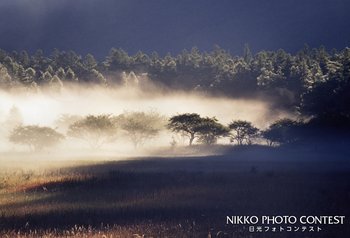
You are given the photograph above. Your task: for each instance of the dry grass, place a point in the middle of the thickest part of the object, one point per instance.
(168, 197)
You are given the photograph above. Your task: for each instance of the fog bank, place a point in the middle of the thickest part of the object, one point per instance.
(43, 108)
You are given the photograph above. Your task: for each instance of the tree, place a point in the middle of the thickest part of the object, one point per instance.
(187, 123)
(69, 59)
(210, 130)
(61, 73)
(89, 62)
(141, 126)
(330, 97)
(56, 83)
(29, 76)
(14, 118)
(95, 130)
(20, 73)
(100, 78)
(65, 120)
(50, 70)
(24, 58)
(36, 137)
(46, 77)
(243, 132)
(39, 61)
(268, 79)
(117, 59)
(141, 60)
(247, 54)
(5, 78)
(130, 80)
(70, 75)
(282, 131)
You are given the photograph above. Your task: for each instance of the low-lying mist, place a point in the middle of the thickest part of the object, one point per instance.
(45, 107)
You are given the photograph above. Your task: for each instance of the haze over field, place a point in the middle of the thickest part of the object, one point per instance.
(45, 107)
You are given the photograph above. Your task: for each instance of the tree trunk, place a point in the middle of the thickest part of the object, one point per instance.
(191, 138)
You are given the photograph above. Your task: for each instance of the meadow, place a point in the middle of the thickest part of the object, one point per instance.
(172, 196)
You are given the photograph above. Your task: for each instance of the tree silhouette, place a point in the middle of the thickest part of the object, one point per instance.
(243, 132)
(187, 123)
(210, 130)
(282, 131)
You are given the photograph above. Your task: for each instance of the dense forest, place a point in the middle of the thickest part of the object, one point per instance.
(313, 82)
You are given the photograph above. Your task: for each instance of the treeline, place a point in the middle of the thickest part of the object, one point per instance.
(310, 81)
(137, 127)
(141, 128)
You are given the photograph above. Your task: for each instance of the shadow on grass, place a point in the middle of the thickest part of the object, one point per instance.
(201, 189)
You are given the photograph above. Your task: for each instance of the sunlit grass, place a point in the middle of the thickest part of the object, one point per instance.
(158, 199)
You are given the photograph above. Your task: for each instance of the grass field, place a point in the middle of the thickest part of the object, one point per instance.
(172, 196)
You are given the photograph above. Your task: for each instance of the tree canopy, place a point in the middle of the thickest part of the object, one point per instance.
(187, 124)
(210, 130)
(192, 125)
(36, 137)
(282, 131)
(141, 126)
(243, 132)
(95, 130)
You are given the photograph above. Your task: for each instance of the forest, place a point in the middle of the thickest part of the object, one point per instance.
(313, 83)
(296, 81)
